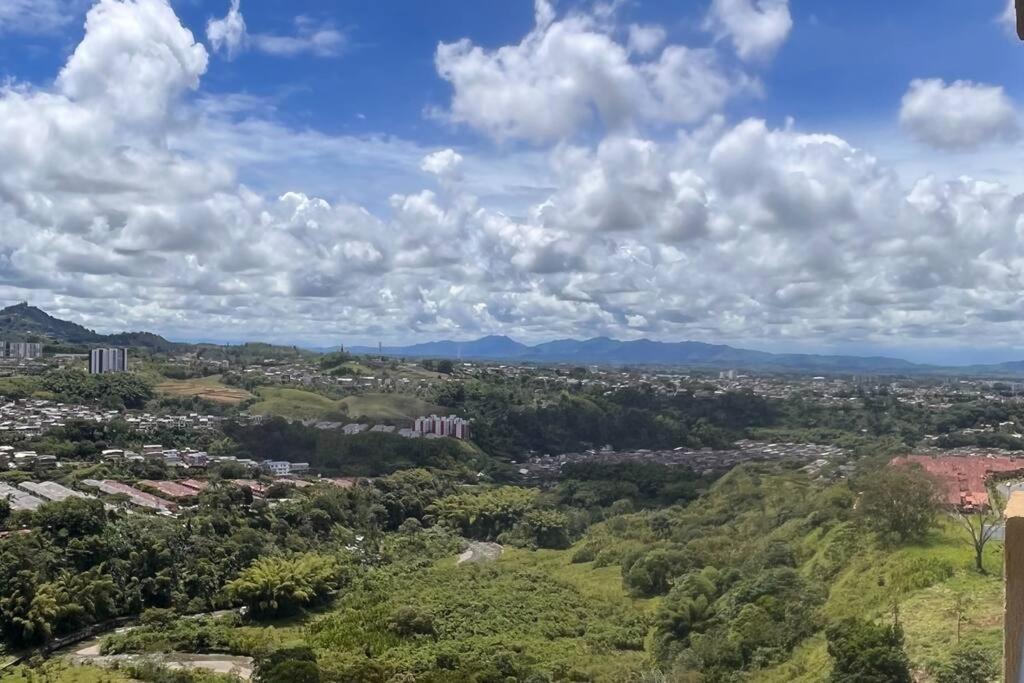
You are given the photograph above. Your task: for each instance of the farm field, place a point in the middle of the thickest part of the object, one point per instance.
(209, 388)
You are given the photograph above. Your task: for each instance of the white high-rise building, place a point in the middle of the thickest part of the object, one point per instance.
(21, 349)
(108, 360)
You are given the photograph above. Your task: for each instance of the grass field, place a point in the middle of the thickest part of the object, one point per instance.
(208, 388)
(299, 404)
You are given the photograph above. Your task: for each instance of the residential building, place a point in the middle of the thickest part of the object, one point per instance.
(277, 467)
(21, 350)
(448, 425)
(108, 360)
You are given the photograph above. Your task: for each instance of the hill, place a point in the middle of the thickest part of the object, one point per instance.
(22, 322)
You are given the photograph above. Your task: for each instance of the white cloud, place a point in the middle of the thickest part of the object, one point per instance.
(127, 202)
(958, 115)
(645, 39)
(231, 35)
(756, 28)
(563, 71)
(228, 33)
(37, 16)
(1008, 17)
(135, 58)
(445, 164)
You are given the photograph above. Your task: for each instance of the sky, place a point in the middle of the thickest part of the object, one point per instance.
(785, 175)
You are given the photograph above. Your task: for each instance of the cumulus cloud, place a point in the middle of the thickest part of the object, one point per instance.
(127, 201)
(756, 28)
(560, 74)
(445, 164)
(310, 37)
(958, 115)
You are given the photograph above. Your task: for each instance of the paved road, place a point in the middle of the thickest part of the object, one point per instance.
(480, 552)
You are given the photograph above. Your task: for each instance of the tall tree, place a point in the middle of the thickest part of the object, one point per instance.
(899, 502)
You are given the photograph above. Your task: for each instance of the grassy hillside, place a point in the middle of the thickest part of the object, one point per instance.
(389, 406)
(300, 404)
(208, 388)
(293, 403)
(925, 583)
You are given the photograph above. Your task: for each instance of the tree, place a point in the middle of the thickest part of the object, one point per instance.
(280, 585)
(981, 527)
(287, 665)
(865, 652)
(968, 664)
(445, 367)
(899, 502)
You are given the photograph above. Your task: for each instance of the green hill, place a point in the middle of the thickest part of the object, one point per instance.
(22, 322)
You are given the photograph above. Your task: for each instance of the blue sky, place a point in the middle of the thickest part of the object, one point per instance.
(785, 175)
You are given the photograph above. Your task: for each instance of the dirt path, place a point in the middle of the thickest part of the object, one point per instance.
(479, 551)
(223, 664)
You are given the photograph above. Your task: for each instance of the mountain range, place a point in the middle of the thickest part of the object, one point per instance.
(22, 322)
(605, 351)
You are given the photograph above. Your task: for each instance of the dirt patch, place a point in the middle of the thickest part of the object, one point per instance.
(479, 551)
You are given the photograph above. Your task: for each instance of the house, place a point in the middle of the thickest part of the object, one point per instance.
(278, 468)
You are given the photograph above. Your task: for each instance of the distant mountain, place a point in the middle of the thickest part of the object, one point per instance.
(485, 348)
(22, 322)
(605, 351)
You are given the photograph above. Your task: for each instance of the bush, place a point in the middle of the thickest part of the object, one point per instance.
(287, 665)
(864, 652)
(411, 621)
(968, 664)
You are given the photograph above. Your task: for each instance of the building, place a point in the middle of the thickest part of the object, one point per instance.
(448, 425)
(108, 360)
(278, 468)
(963, 479)
(21, 350)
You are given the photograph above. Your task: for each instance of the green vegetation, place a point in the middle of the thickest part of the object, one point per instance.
(366, 454)
(765, 576)
(275, 586)
(300, 404)
(477, 622)
(865, 652)
(295, 404)
(112, 391)
(397, 407)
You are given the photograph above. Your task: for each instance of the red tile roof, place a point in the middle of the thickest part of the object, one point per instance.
(963, 478)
